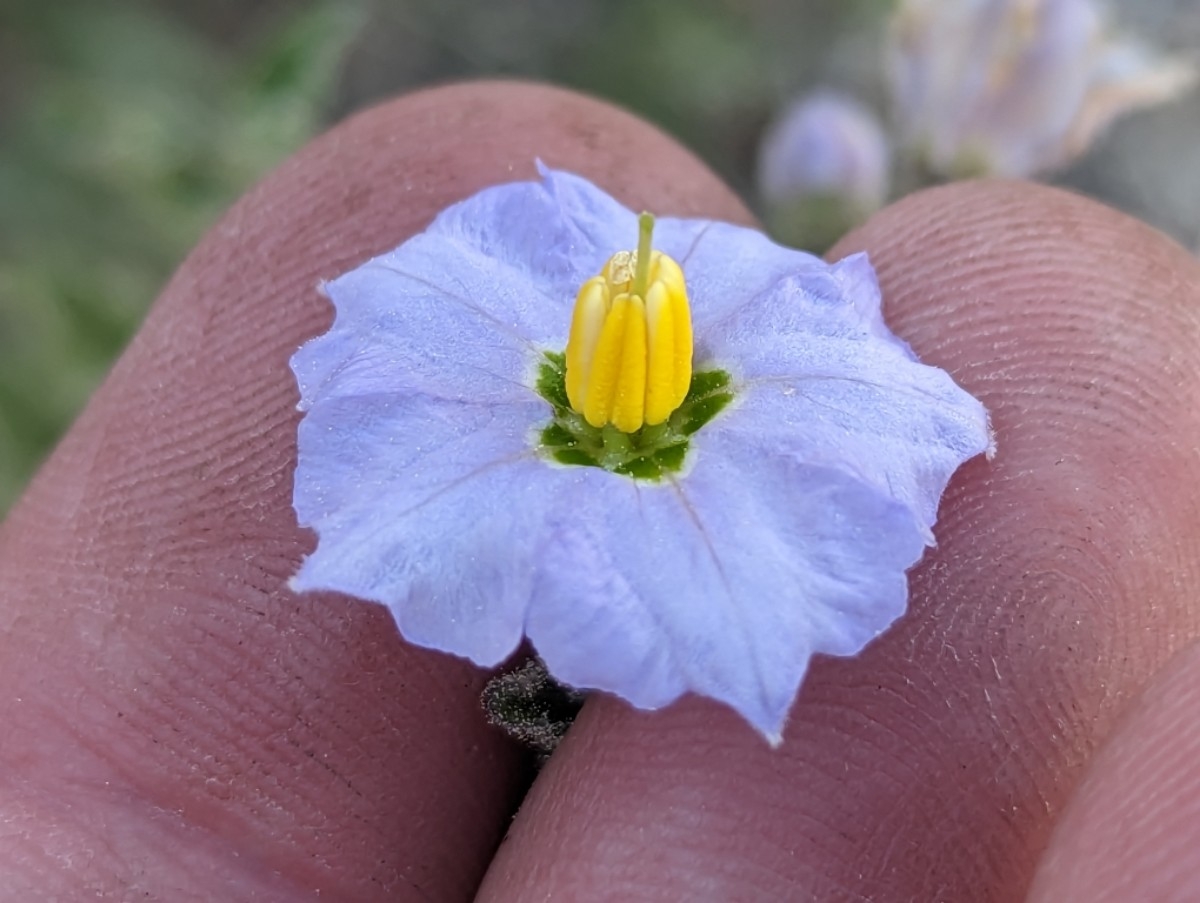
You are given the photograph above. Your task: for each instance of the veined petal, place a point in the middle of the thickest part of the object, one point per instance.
(493, 278)
(550, 236)
(726, 265)
(429, 507)
(858, 287)
(1020, 125)
(392, 334)
(1126, 77)
(818, 381)
(724, 583)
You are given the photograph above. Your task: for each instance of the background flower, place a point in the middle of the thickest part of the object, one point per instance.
(788, 531)
(1015, 87)
(824, 165)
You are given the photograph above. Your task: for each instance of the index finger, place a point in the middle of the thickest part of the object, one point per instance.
(932, 766)
(175, 720)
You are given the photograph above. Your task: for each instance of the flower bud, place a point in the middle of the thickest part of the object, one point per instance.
(823, 166)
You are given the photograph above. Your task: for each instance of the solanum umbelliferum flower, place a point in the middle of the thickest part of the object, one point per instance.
(686, 465)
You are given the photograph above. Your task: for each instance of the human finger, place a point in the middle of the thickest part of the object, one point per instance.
(932, 765)
(1132, 828)
(177, 722)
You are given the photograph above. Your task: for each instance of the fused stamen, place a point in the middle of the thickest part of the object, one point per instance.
(629, 355)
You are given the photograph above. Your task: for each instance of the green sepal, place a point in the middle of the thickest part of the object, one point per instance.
(552, 380)
(648, 454)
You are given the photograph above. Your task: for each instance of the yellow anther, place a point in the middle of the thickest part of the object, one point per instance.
(629, 355)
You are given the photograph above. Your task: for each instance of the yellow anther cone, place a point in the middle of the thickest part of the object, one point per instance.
(591, 309)
(629, 355)
(616, 391)
(660, 364)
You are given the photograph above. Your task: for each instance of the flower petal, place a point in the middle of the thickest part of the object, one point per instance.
(460, 310)
(549, 236)
(398, 333)
(429, 507)
(821, 378)
(723, 583)
(725, 265)
(1013, 88)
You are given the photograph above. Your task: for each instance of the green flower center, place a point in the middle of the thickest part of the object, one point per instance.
(648, 453)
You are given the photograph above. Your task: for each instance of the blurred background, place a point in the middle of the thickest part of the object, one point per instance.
(128, 126)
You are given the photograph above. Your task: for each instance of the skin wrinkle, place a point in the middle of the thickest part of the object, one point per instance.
(160, 534)
(32, 819)
(1044, 608)
(1130, 832)
(206, 807)
(1086, 574)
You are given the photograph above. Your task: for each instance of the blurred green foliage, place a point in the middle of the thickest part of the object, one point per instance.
(124, 132)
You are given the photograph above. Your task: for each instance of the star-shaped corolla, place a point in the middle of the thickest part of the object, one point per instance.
(794, 487)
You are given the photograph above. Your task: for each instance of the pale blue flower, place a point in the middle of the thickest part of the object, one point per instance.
(425, 469)
(1016, 87)
(825, 144)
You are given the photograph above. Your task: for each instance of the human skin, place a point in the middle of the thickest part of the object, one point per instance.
(178, 725)
(1130, 831)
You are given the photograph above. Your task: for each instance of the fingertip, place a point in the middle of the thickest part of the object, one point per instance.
(974, 258)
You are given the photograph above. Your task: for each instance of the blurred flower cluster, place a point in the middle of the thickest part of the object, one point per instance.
(1013, 88)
